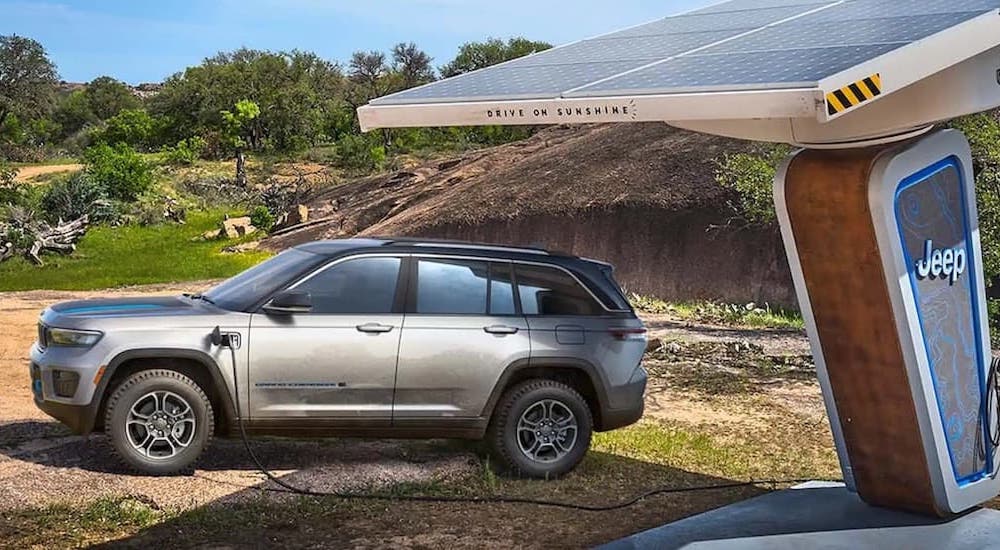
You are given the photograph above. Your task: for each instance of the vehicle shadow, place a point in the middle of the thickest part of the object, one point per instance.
(252, 519)
(227, 503)
(50, 444)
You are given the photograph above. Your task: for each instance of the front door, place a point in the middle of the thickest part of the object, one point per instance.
(462, 330)
(339, 360)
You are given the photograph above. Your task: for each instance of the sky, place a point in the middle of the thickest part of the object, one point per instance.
(148, 40)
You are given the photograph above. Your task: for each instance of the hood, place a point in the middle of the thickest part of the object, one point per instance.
(129, 307)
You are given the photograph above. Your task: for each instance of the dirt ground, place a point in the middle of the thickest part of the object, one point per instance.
(42, 464)
(28, 173)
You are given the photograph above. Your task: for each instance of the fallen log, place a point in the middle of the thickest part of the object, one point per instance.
(62, 238)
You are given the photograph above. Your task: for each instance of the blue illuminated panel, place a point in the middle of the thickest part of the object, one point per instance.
(931, 212)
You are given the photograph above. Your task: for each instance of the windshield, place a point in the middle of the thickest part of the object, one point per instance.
(253, 285)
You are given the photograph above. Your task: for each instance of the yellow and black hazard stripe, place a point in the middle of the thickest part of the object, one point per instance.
(854, 94)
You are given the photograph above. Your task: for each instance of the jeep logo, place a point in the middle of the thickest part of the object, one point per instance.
(941, 264)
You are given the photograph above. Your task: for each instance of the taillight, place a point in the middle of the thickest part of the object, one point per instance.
(628, 333)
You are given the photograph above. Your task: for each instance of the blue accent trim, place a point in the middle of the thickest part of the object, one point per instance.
(919, 177)
(98, 309)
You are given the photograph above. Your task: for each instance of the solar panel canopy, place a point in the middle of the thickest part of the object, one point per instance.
(714, 69)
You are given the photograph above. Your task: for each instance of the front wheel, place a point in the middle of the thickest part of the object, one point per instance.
(541, 429)
(159, 421)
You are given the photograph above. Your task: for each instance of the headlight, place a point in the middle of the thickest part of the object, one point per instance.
(76, 338)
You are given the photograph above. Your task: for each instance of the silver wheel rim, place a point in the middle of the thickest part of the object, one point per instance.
(547, 431)
(160, 425)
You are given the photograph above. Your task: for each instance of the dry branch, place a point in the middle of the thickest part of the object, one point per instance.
(61, 238)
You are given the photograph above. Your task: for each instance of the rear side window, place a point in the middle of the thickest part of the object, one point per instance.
(361, 286)
(451, 287)
(550, 291)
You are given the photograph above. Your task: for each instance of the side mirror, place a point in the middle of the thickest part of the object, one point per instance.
(289, 302)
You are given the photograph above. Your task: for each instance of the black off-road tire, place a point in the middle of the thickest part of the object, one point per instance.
(502, 435)
(133, 388)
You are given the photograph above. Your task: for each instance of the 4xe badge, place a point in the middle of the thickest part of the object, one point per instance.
(948, 263)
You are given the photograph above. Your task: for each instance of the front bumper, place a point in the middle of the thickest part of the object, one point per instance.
(79, 411)
(78, 418)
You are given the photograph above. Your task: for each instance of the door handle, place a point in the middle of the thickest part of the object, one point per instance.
(501, 329)
(374, 328)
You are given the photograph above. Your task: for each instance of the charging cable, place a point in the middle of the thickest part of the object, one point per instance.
(226, 340)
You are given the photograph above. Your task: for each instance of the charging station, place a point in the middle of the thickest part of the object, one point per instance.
(884, 249)
(877, 211)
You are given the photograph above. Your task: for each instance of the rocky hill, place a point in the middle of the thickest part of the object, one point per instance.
(642, 196)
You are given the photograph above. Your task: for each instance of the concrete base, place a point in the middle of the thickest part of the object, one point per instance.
(817, 515)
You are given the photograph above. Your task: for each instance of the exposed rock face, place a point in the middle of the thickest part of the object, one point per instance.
(296, 216)
(641, 196)
(234, 228)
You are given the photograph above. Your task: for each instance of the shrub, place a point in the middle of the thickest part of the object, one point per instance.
(133, 127)
(11, 191)
(70, 198)
(120, 170)
(186, 152)
(751, 177)
(358, 153)
(262, 218)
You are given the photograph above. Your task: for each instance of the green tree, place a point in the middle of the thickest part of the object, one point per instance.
(751, 178)
(121, 171)
(479, 55)
(27, 79)
(241, 131)
(72, 113)
(412, 65)
(133, 127)
(294, 90)
(107, 97)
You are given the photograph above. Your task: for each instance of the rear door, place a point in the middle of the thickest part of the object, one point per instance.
(567, 322)
(339, 360)
(462, 329)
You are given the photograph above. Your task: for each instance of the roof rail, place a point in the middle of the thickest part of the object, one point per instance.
(446, 243)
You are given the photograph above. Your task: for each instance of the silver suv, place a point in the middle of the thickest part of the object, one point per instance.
(531, 350)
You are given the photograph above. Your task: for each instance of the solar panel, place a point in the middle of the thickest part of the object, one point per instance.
(816, 47)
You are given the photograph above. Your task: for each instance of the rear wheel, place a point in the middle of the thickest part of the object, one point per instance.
(541, 428)
(159, 421)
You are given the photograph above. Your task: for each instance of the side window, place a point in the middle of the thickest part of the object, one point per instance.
(550, 291)
(501, 290)
(360, 286)
(449, 287)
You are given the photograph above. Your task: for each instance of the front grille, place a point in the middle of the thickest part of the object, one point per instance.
(42, 336)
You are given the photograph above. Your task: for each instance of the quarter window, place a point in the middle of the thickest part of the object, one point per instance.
(451, 287)
(360, 286)
(549, 291)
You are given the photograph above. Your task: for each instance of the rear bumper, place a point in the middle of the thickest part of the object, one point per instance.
(632, 396)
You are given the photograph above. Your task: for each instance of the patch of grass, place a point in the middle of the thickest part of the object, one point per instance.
(132, 255)
(55, 161)
(62, 525)
(751, 315)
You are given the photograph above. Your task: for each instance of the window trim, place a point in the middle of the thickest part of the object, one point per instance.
(402, 279)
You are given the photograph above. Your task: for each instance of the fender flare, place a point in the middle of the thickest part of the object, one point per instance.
(204, 359)
(597, 379)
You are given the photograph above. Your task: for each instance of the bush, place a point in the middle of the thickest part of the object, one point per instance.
(133, 127)
(186, 152)
(71, 198)
(11, 191)
(120, 170)
(359, 154)
(751, 177)
(262, 218)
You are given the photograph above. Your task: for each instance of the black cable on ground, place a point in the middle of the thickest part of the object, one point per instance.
(666, 490)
